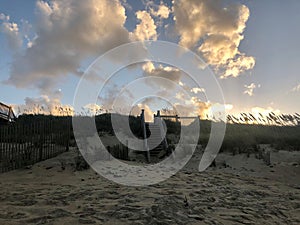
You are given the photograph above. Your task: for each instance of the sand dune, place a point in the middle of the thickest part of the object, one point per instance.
(245, 192)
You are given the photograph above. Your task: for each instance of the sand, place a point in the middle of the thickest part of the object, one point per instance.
(240, 190)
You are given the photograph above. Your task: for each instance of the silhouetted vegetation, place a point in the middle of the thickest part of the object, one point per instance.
(244, 136)
(237, 135)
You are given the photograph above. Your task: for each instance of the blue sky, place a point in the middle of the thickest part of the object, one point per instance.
(271, 37)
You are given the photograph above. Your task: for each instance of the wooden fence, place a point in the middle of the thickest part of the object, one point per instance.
(23, 144)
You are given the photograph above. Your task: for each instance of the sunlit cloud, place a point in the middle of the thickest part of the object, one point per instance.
(146, 28)
(216, 32)
(67, 32)
(162, 11)
(137, 109)
(250, 89)
(11, 31)
(228, 107)
(66, 35)
(44, 105)
(93, 109)
(198, 90)
(238, 65)
(296, 89)
(160, 71)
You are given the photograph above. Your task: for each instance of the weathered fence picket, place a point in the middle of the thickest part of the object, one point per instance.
(23, 144)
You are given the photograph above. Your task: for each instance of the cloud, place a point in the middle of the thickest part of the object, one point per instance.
(185, 104)
(203, 108)
(146, 28)
(191, 107)
(137, 109)
(44, 105)
(296, 89)
(27, 32)
(229, 107)
(67, 32)
(185, 109)
(148, 67)
(250, 89)
(238, 65)
(4, 17)
(93, 109)
(198, 90)
(195, 107)
(11, 32)
(210, 110)
(170, 73)
(162, 11)
(215, 31)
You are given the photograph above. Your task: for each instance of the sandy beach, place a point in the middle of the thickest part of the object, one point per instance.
(151, 112)
(240, 190)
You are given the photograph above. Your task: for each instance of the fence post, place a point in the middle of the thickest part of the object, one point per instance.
(68, 135)
(11, 153)
(1, 163)
(40, 142)
(143, 124)
(17, 145)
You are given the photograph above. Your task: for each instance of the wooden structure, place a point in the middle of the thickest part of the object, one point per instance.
(154, 134)
(178, 118)
(144, 131)
(6, 114)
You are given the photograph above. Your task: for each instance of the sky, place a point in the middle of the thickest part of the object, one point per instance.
(251, 46)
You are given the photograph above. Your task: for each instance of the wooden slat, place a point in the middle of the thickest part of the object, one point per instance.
(23, 144)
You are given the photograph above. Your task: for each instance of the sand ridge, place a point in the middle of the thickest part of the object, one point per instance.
(47, 194)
